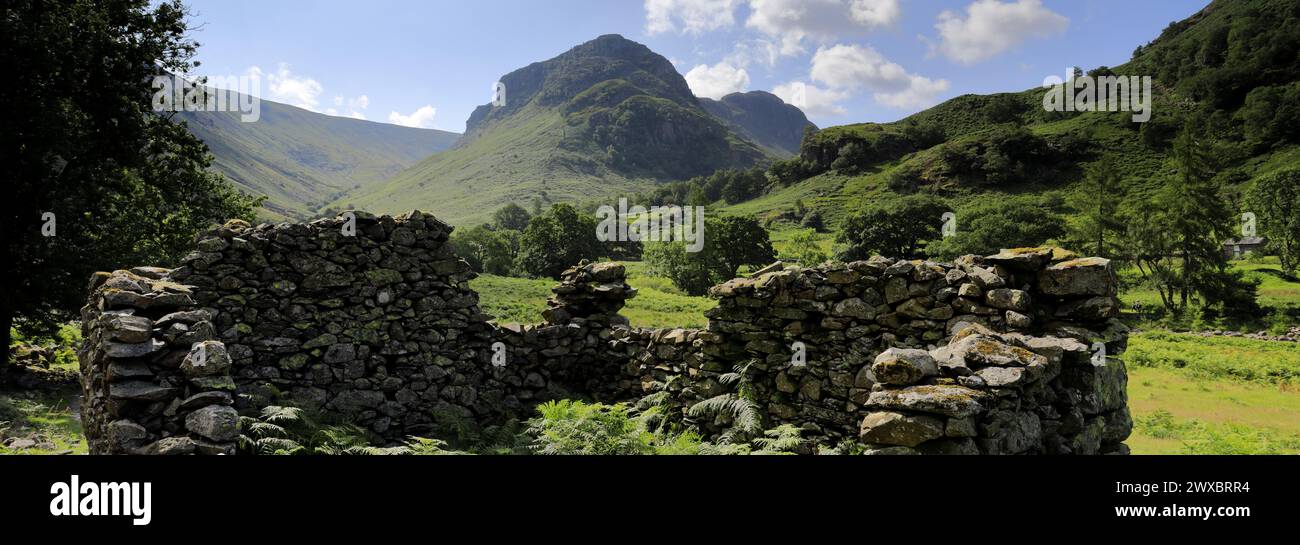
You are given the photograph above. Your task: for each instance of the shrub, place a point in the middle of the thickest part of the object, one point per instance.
(804, 249)
(896, 228)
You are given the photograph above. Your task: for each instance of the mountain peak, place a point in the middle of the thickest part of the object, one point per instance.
(561, 79)
(763, 118)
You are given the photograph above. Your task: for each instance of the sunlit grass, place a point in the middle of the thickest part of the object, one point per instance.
(657, 304)
(1177, 414)
(46, 419)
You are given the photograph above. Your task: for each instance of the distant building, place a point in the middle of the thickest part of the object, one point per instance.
(1234, 249)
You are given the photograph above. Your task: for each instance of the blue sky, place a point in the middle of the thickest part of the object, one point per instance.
(429, 63)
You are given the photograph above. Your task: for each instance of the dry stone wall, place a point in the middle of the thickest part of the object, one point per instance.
(154, 380)
(371, 319)
(884, 335)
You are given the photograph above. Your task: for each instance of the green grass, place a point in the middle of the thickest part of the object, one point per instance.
(782, 235)
(657, 304)
(1178, 414)
(1236, 358)
(44, 418)
(1275, 290)
(1213, 395)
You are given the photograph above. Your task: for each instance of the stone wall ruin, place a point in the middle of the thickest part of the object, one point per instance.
(1011, 353)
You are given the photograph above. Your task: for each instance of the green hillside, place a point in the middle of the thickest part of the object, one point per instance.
(608, 117)
(302, 160)
(1233, 65)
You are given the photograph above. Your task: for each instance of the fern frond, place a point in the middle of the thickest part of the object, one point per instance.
(744, 413)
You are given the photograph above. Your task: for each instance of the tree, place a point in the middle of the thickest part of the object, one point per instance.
(729, 243)
(1096, 200)
(1196, 214)
(813, 220)
(487, 250)
(557, 240)
(1176, 240)
(896, 228)
(988, 226)
(124, 184)
(1271, 115)
(736, 241)
(512, 217)
(804, 249)
(1276, 201)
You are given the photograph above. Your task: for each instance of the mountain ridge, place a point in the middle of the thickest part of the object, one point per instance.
(607, 117)
(763, 118)
(301, 159)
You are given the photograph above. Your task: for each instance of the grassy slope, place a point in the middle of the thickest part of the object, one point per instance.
(302, 159)
(657, 303)
(465, 186)
(835, 195)
(965, 118)
(1177, 414)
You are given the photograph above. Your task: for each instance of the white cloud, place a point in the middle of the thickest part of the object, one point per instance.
(692, 16)
(792, 21)
(874, 13)
(304, 92)
(421, 118)
(848, 67)
(283, 86)
(920, 92)
(717, 81)
(756, 51)
(991, 27)
(813, 100)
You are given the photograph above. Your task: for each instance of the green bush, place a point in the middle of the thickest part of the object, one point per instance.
(567, 427)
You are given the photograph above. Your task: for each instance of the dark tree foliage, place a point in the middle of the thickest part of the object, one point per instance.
(1271, 115)
(924, 135)
(813, 220)
(731, 185)
(896, 229)
(557, 240)
(730, 242)
(1004, 108)
(1277, 200)
(1175, 240)
(487, 250)
(125, 185)
(991, 225)
(512, 217)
